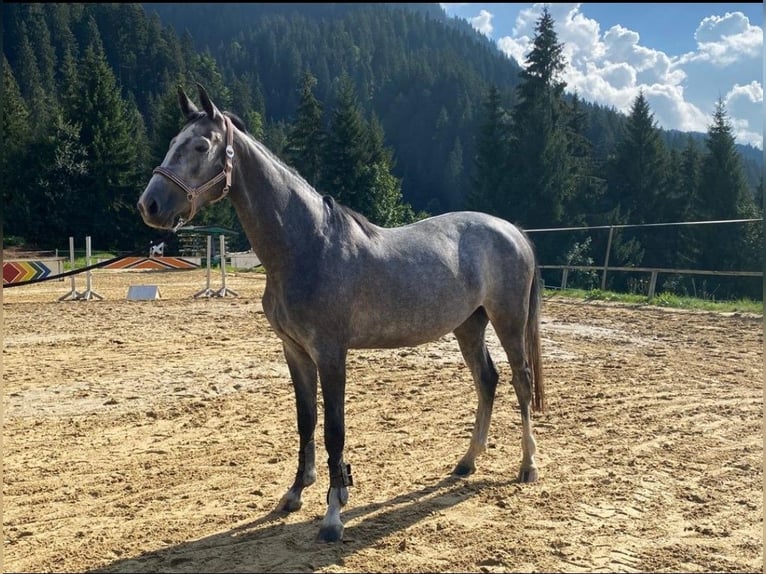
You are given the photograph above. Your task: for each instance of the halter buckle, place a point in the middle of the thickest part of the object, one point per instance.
(229, 152)
(179, 225)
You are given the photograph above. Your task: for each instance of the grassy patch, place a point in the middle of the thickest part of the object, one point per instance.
(662, 300)
(80, 262)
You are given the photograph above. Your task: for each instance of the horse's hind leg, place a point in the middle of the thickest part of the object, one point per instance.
(470, 337)
(303, 372)
(511, 335)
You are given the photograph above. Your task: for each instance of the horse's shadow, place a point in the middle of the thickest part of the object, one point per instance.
(271, 544)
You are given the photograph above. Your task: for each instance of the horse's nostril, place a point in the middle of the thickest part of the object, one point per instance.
(147, 208)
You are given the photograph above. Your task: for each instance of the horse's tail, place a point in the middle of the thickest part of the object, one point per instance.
(534, 349)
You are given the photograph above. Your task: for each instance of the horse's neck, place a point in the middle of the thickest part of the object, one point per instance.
(277, 209)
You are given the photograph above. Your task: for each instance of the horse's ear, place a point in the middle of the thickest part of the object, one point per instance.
(188, 109)
(210, 109)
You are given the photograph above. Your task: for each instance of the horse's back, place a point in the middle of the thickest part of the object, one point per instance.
(474, 237)
(420, 281)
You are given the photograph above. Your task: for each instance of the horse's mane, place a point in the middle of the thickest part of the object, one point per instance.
(237, 121)
(341, 215)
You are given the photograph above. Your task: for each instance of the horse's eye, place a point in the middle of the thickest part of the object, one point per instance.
(201, 147)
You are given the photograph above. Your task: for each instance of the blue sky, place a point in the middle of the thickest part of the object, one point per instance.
(683, 56)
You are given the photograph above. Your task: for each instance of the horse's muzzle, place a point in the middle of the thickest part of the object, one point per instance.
(158, 208)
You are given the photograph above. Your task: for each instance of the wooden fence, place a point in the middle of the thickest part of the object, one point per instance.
(653, 271)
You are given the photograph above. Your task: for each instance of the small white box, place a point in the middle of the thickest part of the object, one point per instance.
(143, 292)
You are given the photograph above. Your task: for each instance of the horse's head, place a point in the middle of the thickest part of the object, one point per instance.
(196, 170)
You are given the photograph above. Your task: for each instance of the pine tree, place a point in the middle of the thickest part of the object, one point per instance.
(166, 122)
(16, 137)
(582, 206)
(357, 165)
(40, 39)
(453, 174)
(589, 184)
(723, 194)
(540, 166)
(113, 137)
(206, 72)
(345, 152)
(637, 175)
(31, 87)
(69, 86)
(723, 190)
(687, 197)
(306, 138)
(491, 162)
(55, 193)
(383, 202)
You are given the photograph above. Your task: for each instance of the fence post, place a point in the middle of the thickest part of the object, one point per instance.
(606, 258)
(564, 274)
(652, 284)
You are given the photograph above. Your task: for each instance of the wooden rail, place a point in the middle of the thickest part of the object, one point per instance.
(653, 270)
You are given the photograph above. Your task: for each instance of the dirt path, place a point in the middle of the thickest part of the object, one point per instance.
(158, 436)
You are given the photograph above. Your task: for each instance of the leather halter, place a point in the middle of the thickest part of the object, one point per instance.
(192, 193)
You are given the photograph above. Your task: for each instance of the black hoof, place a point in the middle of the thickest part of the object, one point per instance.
(330, 534)
(528, 475)
(463, 470)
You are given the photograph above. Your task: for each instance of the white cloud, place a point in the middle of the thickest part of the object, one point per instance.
(752, 92)
(483, 22)
(744, 105)
(610, 68)
(724, 40)
(672, 111)
(515, 48)
(619, 76)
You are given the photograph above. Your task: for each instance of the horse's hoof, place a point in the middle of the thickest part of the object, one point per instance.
(330, 534)
(289, 503)
(464, 470)
(528, 475)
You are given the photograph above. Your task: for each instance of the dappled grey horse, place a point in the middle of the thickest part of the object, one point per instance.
(335, 282)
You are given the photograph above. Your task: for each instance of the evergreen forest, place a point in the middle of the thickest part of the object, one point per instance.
(395, 110)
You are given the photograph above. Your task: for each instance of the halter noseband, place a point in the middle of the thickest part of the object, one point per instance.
(192, 193)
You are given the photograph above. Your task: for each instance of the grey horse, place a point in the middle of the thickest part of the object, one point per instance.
(335, 282)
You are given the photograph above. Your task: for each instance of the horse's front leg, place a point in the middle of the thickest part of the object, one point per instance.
(332, 374)
(303, 372)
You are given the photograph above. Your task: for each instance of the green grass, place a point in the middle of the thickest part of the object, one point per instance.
(661, 300)
(79, 262)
